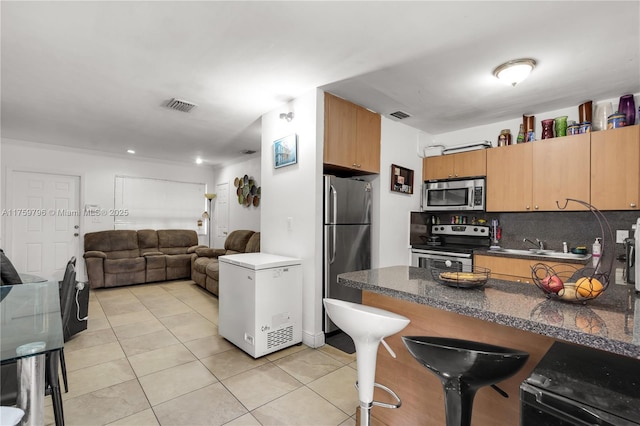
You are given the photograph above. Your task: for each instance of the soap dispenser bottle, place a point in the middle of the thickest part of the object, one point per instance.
(596, 252)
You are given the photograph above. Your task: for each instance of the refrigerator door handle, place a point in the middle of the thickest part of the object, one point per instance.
(334, 220)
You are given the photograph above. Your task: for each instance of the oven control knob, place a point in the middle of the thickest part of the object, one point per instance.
(475, 229)
(448, 263)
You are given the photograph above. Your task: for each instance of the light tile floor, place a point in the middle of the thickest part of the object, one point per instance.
(152, 356)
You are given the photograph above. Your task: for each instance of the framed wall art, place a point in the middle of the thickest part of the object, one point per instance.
(401, 179)
(285, 151)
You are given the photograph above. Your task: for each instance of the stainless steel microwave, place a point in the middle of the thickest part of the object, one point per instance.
(454, 195)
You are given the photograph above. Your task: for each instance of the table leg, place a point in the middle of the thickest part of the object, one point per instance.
(31, 389)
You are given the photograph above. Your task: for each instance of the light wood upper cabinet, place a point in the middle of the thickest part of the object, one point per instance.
(561, 170)
(533, 176)
(615, 169)
(464, 164)
(351, 136)
(509, 178)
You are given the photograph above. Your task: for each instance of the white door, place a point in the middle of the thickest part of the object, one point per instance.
(45, 222)
(222, 213)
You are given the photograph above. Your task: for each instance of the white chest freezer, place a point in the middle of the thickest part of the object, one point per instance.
(260, 302)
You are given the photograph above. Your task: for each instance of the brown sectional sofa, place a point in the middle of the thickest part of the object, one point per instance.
(205, 268)
(123, 257)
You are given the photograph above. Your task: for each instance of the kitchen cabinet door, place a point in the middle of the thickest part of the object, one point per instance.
(517, 269)
(464, 164)
(471, 163)
(509, 183)
(615, 168)
(561, 170)
(352, 136)
(440, 167)
(339, 132)
(368, 130)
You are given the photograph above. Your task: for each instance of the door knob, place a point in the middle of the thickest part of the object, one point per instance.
(75, 234)
(77, 227)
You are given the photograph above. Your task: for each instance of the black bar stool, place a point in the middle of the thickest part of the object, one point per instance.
(463, 367)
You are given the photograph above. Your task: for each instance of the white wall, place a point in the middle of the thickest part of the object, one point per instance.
(97, 173)
(240, 217)
(391, 211)
(295, 192)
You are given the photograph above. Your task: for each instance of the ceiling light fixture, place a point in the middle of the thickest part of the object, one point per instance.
(513, 72)
(198, 160)
(286, 116)
(130, 151)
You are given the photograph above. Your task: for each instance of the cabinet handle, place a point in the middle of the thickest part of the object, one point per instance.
(354, 165)
(528, 208)
(450, 176)
(456, 175)
(632, 205)
(536, 207)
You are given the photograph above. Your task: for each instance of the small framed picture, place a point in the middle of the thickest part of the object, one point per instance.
(285, 151)
(401, 179)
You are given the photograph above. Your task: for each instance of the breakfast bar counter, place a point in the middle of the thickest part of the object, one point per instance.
(503, 313)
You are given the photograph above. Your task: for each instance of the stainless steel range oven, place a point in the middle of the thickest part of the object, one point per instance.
(450, 247)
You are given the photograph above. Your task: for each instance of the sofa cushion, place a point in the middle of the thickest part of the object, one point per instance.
(176, 241)
(115, 244)
(213, 270)
(253, 246)
(121, 266)
(147, 241)
(237, 241)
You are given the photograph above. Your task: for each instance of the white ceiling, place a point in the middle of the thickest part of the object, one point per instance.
(98, 75)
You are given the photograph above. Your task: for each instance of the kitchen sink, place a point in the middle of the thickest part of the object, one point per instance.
(552, 254)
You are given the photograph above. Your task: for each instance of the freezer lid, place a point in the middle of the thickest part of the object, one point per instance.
(257, 261)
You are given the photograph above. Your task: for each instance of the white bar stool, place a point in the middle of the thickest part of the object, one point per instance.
(367, 326)
(10, 416)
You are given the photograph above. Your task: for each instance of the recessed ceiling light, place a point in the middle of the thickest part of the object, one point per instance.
(131, 151)
(198, 160)
(513, 72)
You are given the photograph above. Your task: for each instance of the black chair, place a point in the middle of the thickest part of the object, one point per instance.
(463, 367)
(67, 287)
(8, 273)
(8, 375)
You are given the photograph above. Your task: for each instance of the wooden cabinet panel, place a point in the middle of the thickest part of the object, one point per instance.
(472, 163)
(440, 167)
(516, 269)
(351, 136)
(561, 170)
(339, 131)
(368, 129)
(615, 169)
(464, 164)
(509, 184)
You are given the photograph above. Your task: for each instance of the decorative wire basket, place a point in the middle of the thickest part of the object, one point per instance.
(475, 278)
(569, 284)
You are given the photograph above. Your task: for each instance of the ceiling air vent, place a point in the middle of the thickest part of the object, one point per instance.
(181, 105)
(399, 115)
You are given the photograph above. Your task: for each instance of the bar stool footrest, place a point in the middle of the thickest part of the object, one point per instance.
(395, 396)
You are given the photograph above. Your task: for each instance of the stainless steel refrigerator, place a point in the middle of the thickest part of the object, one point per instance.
(347, 236)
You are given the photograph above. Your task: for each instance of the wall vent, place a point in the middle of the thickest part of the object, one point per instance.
(181, 105)
(399, 115)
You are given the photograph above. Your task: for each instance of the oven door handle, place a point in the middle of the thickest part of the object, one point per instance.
(441, 255)
(572, 409)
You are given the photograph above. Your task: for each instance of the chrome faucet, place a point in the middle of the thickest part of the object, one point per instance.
(538, 243)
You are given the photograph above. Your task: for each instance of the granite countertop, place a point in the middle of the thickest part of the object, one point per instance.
(610, 322)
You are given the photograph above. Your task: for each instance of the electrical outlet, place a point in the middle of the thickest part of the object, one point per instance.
(621, 234)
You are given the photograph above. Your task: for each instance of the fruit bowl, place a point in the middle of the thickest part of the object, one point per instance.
(477, 277)
(568, 284)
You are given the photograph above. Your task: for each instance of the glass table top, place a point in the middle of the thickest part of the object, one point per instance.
(30, 320)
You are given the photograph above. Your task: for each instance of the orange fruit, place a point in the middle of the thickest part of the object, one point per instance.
(589, 287)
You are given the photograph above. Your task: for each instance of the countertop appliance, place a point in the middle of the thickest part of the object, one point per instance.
(454, 195)
(576, 385)
(453, 249)
(347, 237)
(260, 302)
